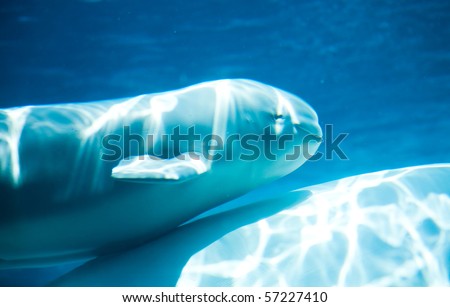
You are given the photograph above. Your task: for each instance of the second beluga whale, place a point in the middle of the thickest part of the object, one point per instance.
(83, 180)
(388, 228)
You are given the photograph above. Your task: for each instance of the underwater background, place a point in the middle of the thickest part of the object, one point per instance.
(376, 70)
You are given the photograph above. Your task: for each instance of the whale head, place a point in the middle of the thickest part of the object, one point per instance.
(277, 130)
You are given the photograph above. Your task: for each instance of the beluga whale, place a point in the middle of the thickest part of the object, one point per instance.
(83, 180)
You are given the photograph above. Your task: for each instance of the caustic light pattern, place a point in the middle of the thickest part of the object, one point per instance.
(389, 228)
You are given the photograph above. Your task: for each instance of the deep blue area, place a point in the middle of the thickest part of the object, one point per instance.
(377, 70)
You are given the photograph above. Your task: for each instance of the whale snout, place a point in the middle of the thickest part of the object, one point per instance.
(313, 132)
(298, 113)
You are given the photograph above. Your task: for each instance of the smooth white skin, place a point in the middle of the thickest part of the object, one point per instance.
(59, 202)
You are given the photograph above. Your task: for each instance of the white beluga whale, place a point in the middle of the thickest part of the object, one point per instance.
(389, 228)
(83, 180)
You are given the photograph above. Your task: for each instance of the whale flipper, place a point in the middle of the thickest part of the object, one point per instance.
(152, 169)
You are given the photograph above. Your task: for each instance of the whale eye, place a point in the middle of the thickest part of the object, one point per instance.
(279, 123)
(278, 116)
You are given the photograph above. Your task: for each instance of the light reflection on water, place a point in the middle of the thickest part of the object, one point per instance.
(389, 228)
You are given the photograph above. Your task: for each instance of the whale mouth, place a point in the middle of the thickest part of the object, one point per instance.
(309, 131)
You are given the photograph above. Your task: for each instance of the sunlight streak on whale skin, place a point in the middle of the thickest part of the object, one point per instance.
(11, 126)
(390, 228)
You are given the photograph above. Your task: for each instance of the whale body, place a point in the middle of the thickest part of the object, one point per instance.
(83, 180)
(389, 228)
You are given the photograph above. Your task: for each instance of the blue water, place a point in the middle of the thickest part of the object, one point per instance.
(377, 70)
